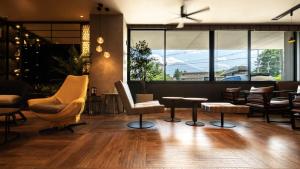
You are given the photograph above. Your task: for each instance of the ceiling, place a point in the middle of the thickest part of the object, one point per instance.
(151, 11)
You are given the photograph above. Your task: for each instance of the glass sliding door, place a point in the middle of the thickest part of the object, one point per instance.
(231, 55)
(187, 55)
(272, 57)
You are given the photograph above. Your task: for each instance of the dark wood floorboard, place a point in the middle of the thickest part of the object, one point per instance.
(106, 142)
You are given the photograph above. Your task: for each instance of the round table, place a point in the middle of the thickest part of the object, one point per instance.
(8, 112)
(195, 103)
(173, 101)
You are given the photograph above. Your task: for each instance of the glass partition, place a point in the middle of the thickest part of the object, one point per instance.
(187, 55)
(271, 56)
(231, 55)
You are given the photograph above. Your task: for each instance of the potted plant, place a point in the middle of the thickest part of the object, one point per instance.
(143, 68)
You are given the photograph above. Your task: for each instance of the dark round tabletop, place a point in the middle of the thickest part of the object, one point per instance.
(195, 99)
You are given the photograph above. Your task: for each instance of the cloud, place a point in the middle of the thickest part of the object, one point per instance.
(172, 61)
(158, 58)
(221, 58)
(223, 66)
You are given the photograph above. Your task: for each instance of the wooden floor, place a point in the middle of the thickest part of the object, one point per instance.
(106, 142)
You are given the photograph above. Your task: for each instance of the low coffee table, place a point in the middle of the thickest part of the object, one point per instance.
(8, 112)
(195, 102)
(224, 108)
(173, 101)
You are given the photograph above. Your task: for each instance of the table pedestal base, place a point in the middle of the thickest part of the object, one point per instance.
(172, 120)
(225, 124)
(197, 123)
(140, 125)
(222, 123)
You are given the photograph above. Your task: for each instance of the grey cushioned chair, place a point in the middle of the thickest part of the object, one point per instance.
(137, 108)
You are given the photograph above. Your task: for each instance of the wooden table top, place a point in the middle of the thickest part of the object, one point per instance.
(224, 107)
(172, 98)
(4, 111)
(195, 99)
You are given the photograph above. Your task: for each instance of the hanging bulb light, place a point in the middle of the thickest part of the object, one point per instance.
(100, 40)
(106, 54)
(292, 39)
(99, 49)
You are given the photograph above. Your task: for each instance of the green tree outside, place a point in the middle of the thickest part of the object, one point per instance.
(269, 62)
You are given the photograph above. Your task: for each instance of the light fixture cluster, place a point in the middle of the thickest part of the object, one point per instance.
(100, 39)
(23, 41)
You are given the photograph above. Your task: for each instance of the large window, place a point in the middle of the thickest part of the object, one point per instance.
(234, 55)
(155, 41)
(187, 55)
(271, 56)
(231, 56)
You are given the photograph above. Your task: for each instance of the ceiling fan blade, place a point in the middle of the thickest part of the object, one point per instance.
(197, 20)
(180, 25)
(201, 10)
(172, 21)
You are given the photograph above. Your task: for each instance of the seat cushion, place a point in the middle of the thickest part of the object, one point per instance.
(279, 103)
(48, 108)
(9, 99)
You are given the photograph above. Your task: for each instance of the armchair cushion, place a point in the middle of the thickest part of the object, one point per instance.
(9, 99)
(48, 108)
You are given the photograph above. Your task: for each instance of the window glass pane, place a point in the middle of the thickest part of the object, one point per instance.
(155, 41)
(39, 27)
(231, 56)
(187, 55)
(271, 56)
(66, 34)
(66, 40)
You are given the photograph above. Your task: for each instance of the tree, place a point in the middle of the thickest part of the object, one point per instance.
(269, 62)
(142, 65)
(177, 74)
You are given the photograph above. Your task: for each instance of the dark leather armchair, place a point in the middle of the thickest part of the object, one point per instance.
(294, 99)
(232, 95)
(260, 99)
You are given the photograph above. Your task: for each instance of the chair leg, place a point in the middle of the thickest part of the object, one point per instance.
(267, 116)
(23, 118)
(57, 129)
(140, 124)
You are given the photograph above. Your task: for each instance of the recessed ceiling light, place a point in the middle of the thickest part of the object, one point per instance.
(81, 16)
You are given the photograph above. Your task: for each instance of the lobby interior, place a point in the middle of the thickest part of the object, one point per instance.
(88, 84)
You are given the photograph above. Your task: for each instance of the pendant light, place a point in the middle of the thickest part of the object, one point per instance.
(292, 39)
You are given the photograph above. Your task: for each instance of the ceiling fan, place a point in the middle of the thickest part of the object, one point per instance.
(185, 15)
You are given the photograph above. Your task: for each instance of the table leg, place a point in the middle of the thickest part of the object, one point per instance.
(222, 123)
(7, 132)
(194, 117)
(172, 119)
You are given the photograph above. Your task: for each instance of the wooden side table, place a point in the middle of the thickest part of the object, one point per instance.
(111, 103)
(94, 105)
(8, 113)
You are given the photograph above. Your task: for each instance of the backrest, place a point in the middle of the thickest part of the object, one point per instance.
(260, 94)
(74, 87)
(231, 93)
(125, 94)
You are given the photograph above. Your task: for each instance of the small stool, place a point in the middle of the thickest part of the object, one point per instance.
(224, 108)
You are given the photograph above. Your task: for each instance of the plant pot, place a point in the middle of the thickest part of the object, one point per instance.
(143, 97)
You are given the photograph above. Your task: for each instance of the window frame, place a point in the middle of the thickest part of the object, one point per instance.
(211, 55)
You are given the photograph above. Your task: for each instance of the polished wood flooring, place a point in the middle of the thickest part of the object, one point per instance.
(107, 143)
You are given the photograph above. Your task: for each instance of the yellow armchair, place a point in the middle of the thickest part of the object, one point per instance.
(64, 108)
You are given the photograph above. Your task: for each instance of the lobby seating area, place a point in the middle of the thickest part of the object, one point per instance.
(186, 84)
